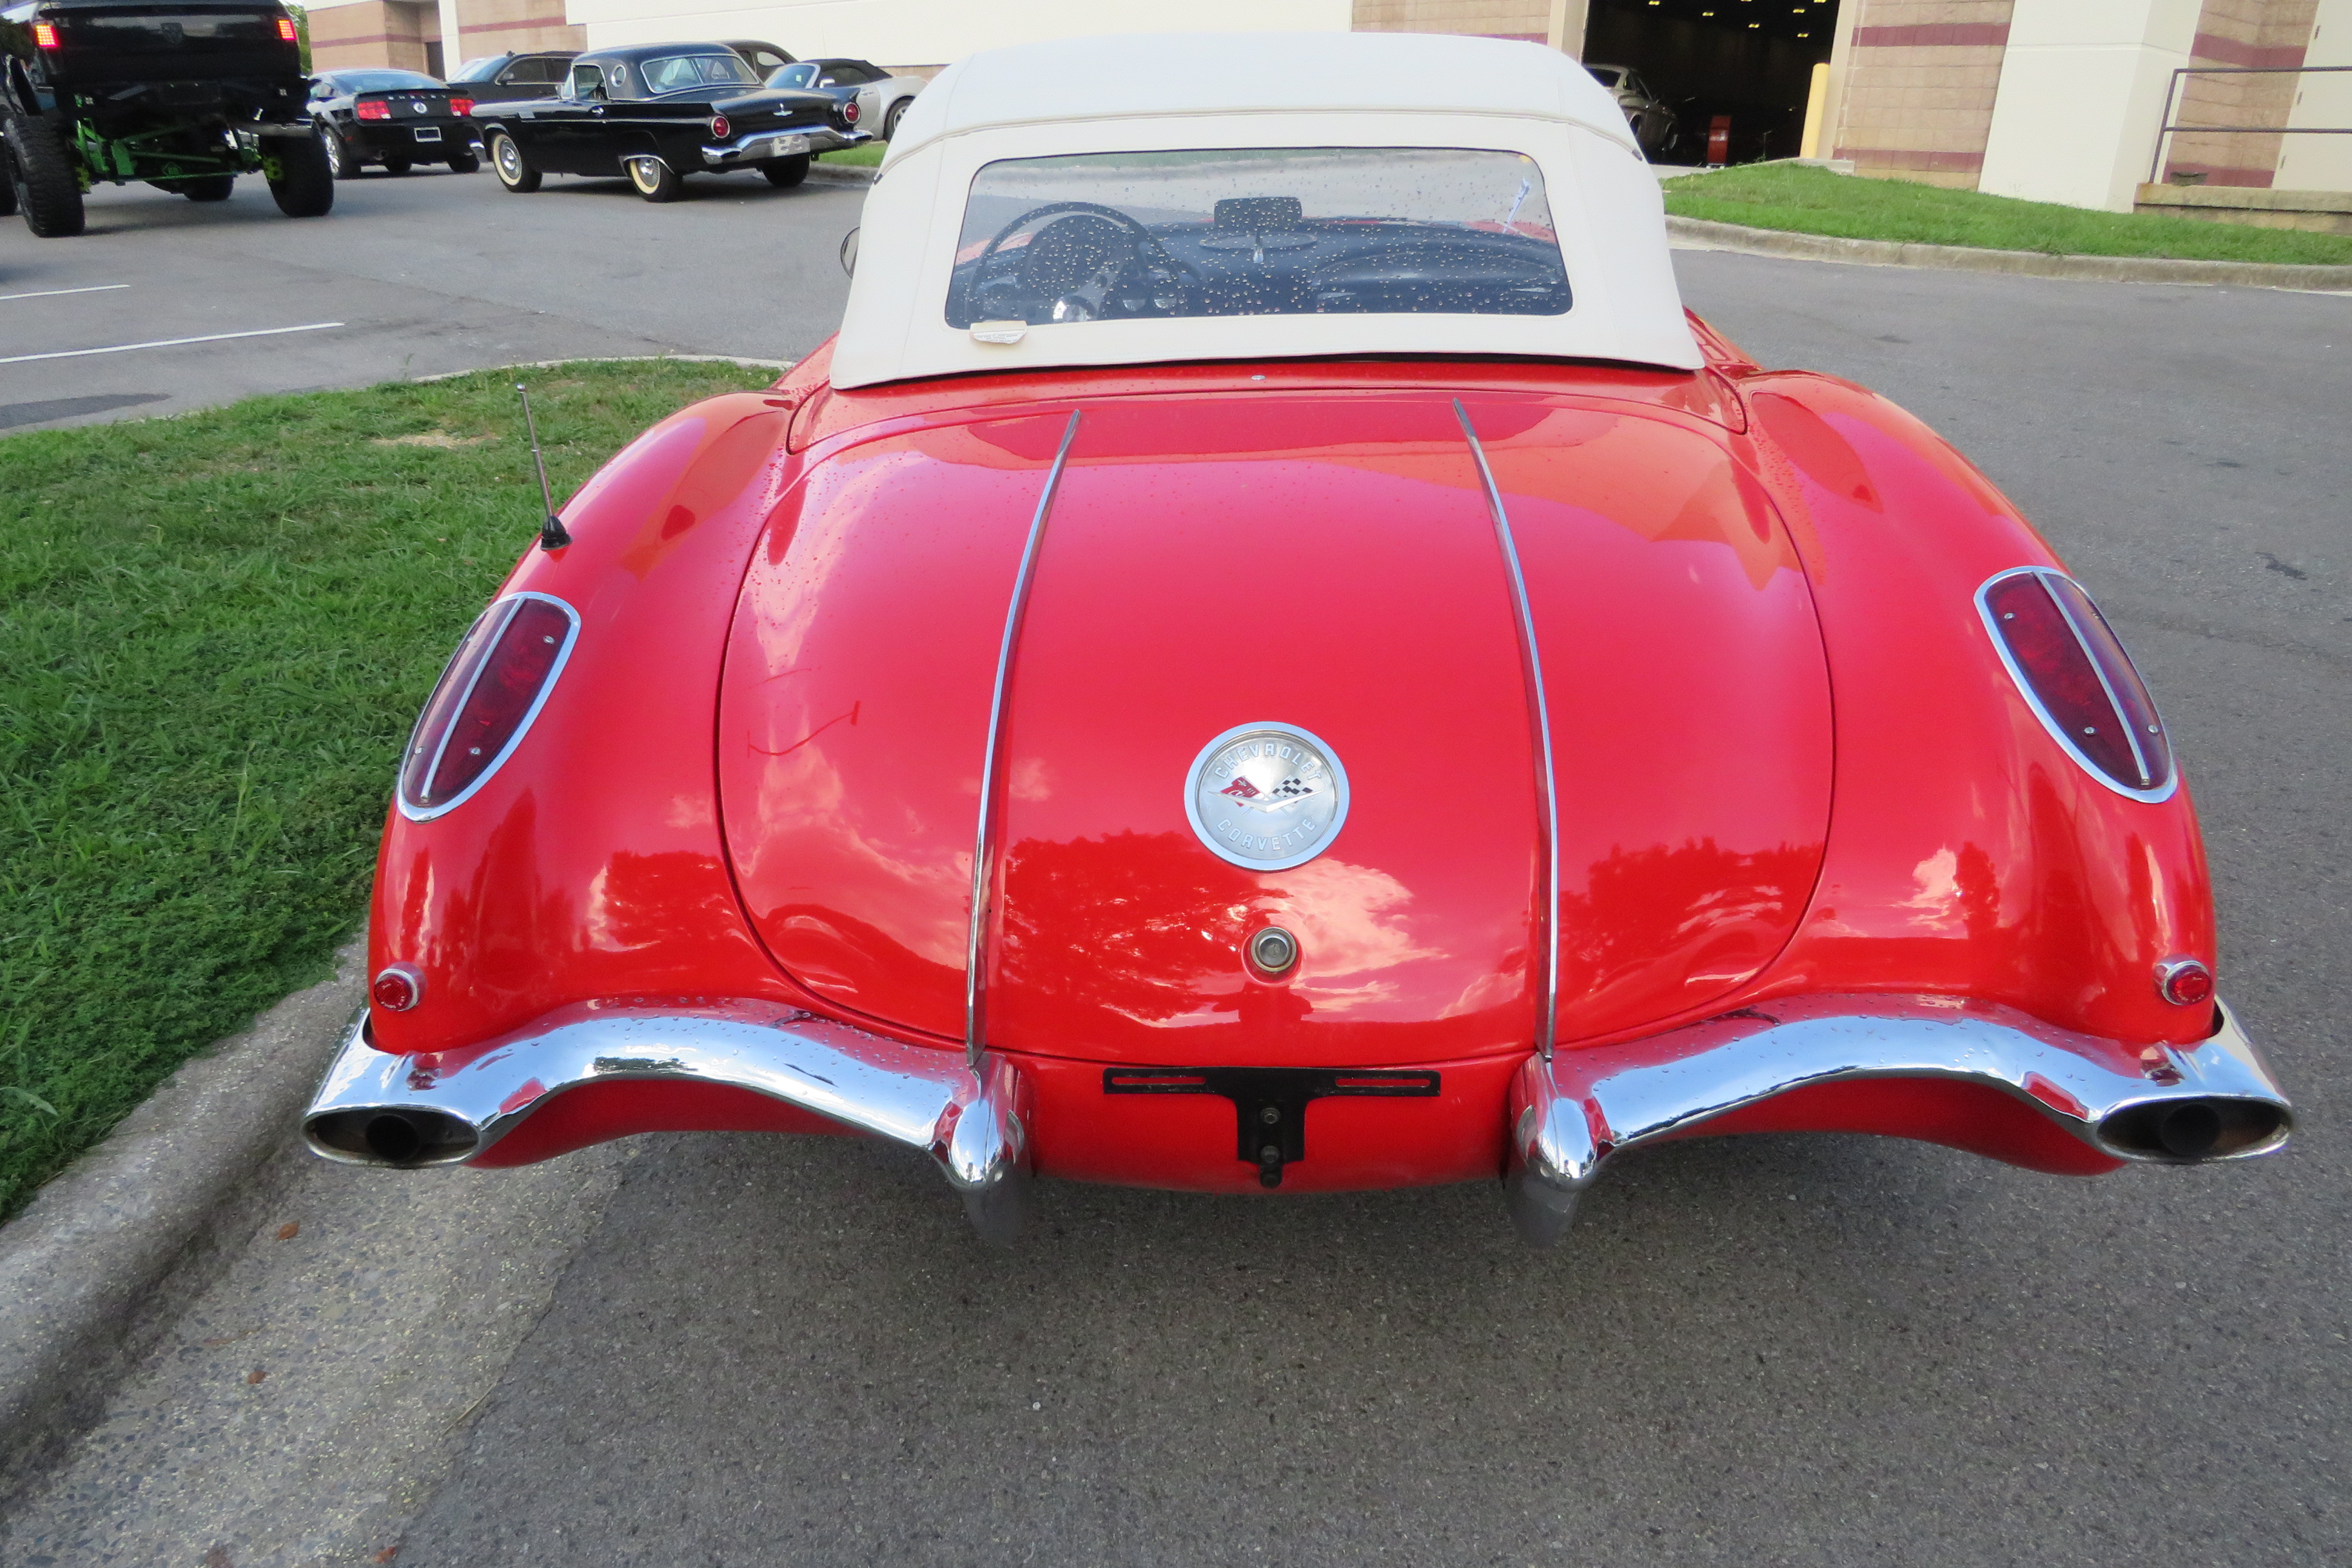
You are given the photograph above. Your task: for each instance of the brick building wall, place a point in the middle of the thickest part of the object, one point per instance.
(2242, 33)
(1528, 19)
(1920, 77)
(396, 33)
(513, 26)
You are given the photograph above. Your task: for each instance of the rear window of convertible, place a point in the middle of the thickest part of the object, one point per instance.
(1269, 231)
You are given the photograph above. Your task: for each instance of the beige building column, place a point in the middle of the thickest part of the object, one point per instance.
(2082, 93)
(1566, 32)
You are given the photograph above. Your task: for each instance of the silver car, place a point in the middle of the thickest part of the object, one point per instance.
(881, 98)
(1650, 116)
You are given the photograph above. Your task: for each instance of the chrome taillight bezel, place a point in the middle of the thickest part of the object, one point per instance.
(495, 618)
(2024, 682)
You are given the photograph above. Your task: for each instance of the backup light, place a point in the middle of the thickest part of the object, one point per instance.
(495, 685)
(374, 109)
(2075, 675)
(286, 29)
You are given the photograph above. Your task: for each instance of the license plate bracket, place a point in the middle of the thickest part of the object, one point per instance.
(1270, 1103)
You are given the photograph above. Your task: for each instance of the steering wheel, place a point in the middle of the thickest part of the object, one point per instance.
(1145, 237)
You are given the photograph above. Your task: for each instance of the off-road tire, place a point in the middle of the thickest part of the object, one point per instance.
(305, 186)
(891, 120)
(209, 188)
(511, 165)
(341, 162)
(464, 163)
(41, 169)
(786, 172)
(654, 180)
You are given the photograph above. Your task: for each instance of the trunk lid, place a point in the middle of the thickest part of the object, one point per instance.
(1326, 563)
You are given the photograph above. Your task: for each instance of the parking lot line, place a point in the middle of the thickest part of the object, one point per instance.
(48, 293)
(170, 343)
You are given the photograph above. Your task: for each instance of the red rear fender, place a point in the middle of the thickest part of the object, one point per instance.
(1969, 854)
(590, 863)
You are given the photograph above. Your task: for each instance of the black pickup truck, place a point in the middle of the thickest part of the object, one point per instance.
(183, 94)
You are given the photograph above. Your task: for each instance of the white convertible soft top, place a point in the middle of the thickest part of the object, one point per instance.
(1165, 92)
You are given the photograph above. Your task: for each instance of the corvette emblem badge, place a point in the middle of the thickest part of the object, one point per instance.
(1266, 797)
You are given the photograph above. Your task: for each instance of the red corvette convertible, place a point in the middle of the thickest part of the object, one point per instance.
(1270, 653)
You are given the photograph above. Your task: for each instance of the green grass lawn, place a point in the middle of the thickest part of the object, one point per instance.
(1815, 201)
(865, 157)
(215, 633)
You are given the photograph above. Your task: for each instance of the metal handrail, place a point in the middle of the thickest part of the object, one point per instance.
(2164, 131)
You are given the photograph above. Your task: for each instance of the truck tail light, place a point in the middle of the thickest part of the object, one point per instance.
(2078, 679)
(461, 107)
(286, 29)
(371, 108)
(718, 126)
(495, 685)
(44, 35)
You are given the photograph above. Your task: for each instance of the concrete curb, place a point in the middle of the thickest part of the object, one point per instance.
(843, 174)
(100, 1263)
(1698, 234)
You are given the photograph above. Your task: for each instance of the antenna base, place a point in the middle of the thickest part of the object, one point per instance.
(553, 534)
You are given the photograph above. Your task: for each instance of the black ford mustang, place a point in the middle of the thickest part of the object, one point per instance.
(395, 118)
(657, 112)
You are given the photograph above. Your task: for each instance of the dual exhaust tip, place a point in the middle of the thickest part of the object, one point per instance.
(408, 1137)
(2192, 1130)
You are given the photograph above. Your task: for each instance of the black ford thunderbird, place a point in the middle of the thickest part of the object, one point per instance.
(658, 113)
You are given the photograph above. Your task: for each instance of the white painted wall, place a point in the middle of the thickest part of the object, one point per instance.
(2081, 96)
(933, 32)
(2322, 162)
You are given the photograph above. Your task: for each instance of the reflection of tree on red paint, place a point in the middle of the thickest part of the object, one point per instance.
(1658, 928)
(1240, 788)
(1160, 917)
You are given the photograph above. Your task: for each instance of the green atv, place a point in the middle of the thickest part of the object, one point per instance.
(186, 95)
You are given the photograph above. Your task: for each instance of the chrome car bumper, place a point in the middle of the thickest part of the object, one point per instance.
(2169, 1104)
(760, 146)
(2180, 1105)
(376, 1109)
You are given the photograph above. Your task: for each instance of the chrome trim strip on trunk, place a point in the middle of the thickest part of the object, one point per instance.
(1540, 717)
(985, 848)
(971, 1120)
(1569, 1117)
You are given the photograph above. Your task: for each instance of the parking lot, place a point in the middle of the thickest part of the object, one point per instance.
(410, 276)
(748, 1351)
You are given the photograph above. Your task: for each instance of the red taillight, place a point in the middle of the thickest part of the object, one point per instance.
(2184, 982)
(718, 126)
(849, 111)
(286, 29)
(461, 107)
(494, 686)
(44, 35)
(397, 988)
(369, 108)
(2080, 682)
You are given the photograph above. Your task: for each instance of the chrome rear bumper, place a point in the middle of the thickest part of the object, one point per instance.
(376, 1109)
(2170, 1104)
(761, 146)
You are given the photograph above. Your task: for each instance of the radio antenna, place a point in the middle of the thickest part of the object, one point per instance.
(551, 533)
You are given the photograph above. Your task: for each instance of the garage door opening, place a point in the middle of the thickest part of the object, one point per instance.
(1690, 64)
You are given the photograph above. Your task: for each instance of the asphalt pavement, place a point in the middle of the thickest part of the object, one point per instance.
(1817, 1350)
(411, 276)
